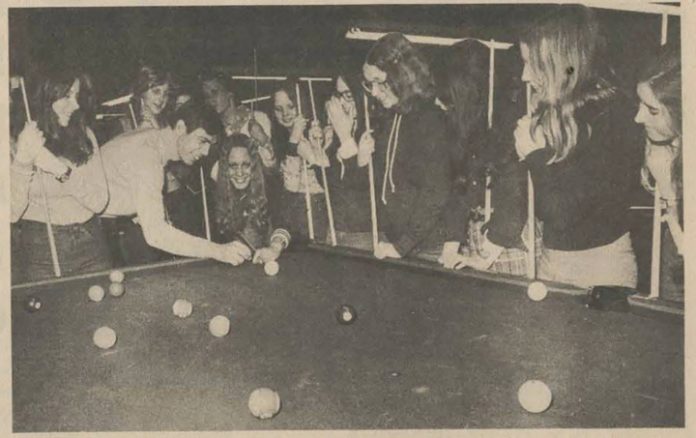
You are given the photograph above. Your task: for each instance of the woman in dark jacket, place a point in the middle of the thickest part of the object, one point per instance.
(579, 145)
(412, 160)
(482, 153)
(350, 201)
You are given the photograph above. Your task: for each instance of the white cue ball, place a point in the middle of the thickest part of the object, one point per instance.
(96, 293)
(219, 326)
(537, 291)
(116, 289)
(182, 308)
(264, 403)
(271, 268)
(104, 338)
(534, 396)
(116, 276)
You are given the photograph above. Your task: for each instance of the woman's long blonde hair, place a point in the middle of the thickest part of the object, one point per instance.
(566, 54)
(237, 209)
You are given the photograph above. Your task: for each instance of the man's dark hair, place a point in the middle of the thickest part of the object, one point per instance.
(197, 115)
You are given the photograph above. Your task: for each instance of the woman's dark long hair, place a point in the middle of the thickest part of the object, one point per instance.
(17, 115)
(280, 135)
(462, 86)
(70, 142)
(238, 209)
(408, 72)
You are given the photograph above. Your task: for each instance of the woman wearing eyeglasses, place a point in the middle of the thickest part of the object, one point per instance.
(412, 159)
(345, 116)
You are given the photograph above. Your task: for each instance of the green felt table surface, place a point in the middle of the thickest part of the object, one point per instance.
(427, 351)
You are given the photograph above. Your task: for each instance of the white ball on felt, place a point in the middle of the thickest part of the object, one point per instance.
(96, 293)
(116, 276)
(271, 268)
(182, 308)
(116, 289)
(219, 326)
(534, 396)
(104, 338)
(537, 291)
(264, 403)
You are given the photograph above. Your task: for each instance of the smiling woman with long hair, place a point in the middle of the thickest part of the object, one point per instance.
(659, 91)
(151, 96)
(243, 212)
(290, 138)
(61, 108)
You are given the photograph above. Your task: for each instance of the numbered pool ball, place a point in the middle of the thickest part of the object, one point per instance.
(32, 304)
(346, 314)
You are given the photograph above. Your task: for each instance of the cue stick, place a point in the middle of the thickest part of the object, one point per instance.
(657, 211)
(327, 196)
(311, 100)
(357, 34)
(49, 226)
(107, 115)
(244, 240)
(663, 34)
(256, 85)
(132, 113)
(531, 254)
(308, 201)
(206, 216)
(280, 78)
(371, 177)
(491, 85)
(656, 246)
(118, 101)
(487, 201)
(256, 99)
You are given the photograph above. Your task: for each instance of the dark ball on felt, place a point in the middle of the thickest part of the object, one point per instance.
(346, 314)
(32, 304)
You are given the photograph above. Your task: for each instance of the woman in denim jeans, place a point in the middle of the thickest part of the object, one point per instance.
(61, 112)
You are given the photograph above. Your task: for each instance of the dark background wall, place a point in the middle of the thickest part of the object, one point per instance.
(108, 42)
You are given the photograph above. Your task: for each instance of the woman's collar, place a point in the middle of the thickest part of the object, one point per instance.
(668, 142)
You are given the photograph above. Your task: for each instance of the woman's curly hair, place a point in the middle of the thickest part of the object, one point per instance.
(241, 211)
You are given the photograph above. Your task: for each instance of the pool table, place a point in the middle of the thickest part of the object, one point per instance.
(429, 349)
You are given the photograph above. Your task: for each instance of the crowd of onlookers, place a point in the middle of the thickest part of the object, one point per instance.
(423, 128)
